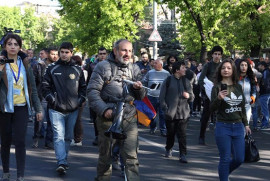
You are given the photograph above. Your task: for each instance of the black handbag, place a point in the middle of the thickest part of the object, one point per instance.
(251, 150)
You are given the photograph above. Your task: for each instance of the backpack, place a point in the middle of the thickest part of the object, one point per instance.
(168, 81)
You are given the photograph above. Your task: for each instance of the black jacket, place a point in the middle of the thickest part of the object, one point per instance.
(63, 86)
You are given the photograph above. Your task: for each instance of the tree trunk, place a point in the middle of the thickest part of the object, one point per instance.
(199, 25)
(203, 53)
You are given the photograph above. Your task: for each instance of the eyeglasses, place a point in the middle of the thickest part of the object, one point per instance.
(102, 53)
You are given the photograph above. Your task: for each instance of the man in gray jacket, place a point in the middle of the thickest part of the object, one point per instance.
(105, 89)
(175, 94)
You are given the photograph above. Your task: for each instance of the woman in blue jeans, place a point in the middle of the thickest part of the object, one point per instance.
(228, 100)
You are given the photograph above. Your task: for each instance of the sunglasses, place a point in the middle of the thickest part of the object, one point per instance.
(102, 53)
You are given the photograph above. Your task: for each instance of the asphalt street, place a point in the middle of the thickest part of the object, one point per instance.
(202, 160)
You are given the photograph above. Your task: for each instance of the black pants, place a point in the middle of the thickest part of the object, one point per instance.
(179, 128)
(13, 128)
(93, 116)
(78, 128)
(197, 103)
(205, 116)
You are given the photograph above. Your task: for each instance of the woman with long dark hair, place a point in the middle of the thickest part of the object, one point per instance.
(228, 100)
(247, 81)
(18, 94)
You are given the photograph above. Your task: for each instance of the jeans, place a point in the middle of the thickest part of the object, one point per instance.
(162, 125)
(63, 126)
(231, 145)
(264, 102)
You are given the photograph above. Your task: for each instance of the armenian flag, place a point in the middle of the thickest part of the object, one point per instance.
(146, 111)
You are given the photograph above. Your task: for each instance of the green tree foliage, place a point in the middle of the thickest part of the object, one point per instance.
(250, 25)
(101, 22)
(32, 28)
(233, 24)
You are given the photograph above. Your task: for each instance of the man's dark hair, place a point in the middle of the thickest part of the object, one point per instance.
(177, 65)
(217, 49)
(45, 50)
(66, 45)
(15, 37)
(144, 53)
(169, 57)
(52, 49)
(102, 48)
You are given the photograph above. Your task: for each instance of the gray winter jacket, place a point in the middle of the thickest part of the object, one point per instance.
(105, 87)
(171, 100)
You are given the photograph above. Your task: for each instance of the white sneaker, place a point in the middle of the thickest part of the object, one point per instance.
(6, 177)
(75, 144)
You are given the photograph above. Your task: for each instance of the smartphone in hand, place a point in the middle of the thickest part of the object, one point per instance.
(223, 87)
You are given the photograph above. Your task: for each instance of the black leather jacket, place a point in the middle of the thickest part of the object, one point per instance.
(63, 86)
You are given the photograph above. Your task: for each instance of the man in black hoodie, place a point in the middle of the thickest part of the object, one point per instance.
(64, 89)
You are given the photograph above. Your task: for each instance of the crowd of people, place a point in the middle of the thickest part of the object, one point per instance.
(230, 93)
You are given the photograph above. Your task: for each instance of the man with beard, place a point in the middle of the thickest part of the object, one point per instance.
(144, 64)
(105, 90)
(39, 70)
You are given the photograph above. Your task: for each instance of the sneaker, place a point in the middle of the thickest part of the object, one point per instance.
(201, 141)
(73, 143)
(122, 173)
(168, 153)
(163, 134)
(115, 165)
(61, 169)
(6, 177)
(49, 146)
(264, 127)
(95, 142)
(35, 143)
(20, 179)
(212, 126)
(183, 158)
(152, 131)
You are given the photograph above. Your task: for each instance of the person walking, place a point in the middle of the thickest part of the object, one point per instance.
(64, 89)
(247, 81)
(175, 95)
(104, 91)
(156, 77)
(208, 72)
(228, 99)
(18, 94)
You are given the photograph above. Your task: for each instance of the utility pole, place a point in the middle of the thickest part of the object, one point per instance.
(155, 28)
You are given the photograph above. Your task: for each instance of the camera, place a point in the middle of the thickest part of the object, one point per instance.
(4, 61)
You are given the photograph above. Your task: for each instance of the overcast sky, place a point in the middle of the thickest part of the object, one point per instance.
(15, 2)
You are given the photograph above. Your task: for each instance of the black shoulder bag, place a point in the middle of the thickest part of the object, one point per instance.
(251, 150)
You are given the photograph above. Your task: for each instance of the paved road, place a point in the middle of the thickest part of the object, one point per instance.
(203, 160)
